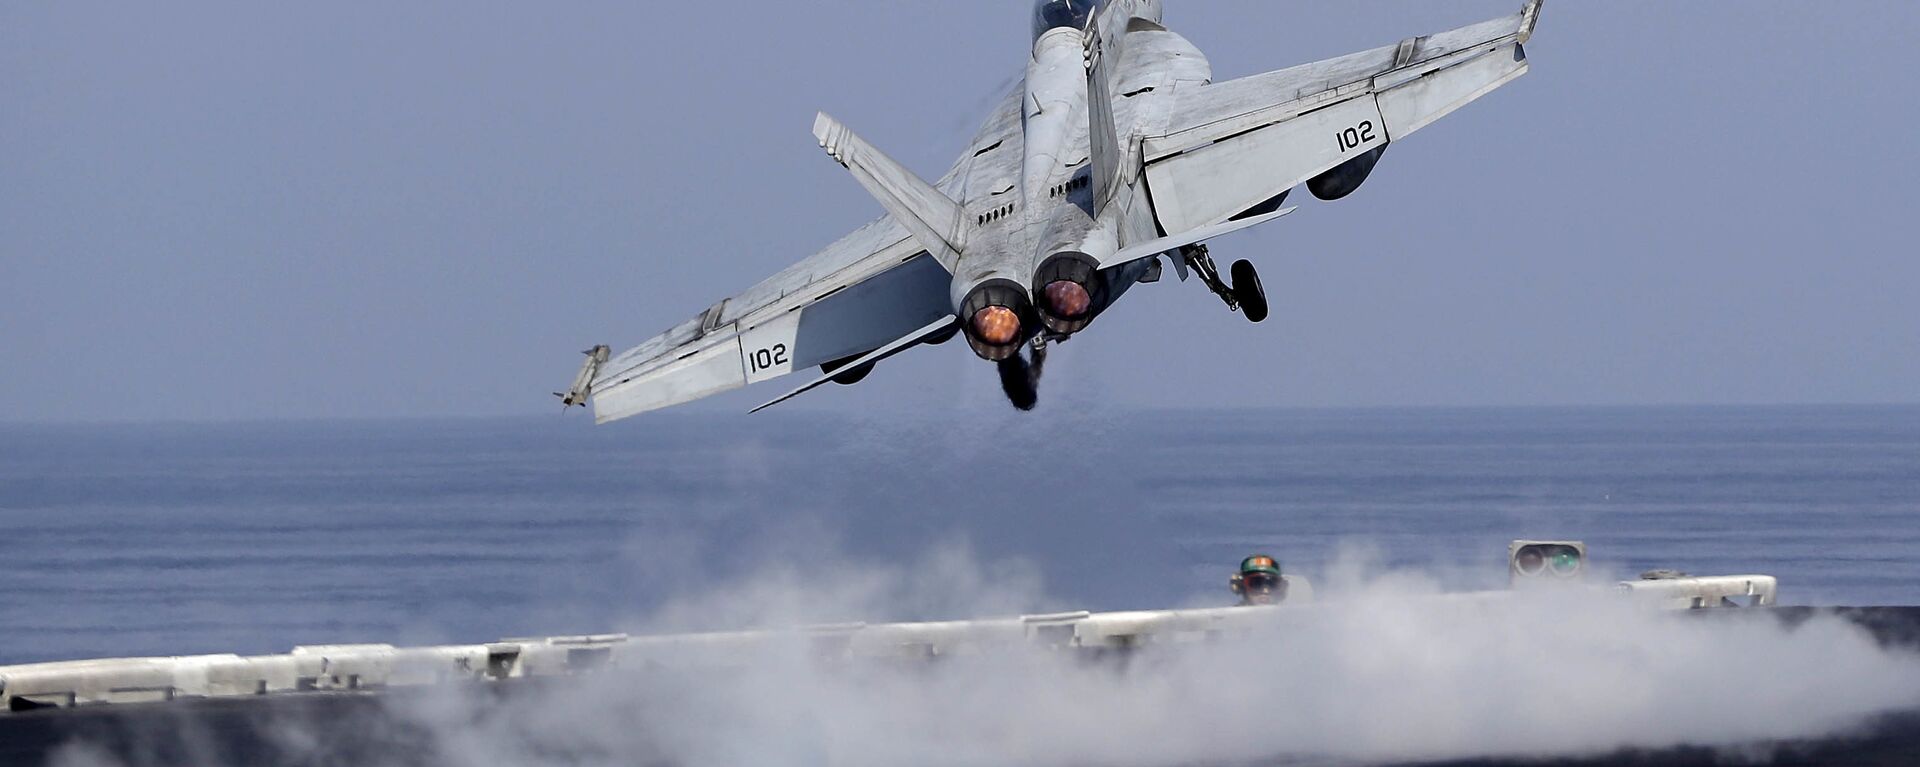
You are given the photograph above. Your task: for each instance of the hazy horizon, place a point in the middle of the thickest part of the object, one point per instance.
(908, 414)
(220, 211)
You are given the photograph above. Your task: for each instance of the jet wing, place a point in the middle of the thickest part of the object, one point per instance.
(1228, 147)
(806, 316)
(868, 290)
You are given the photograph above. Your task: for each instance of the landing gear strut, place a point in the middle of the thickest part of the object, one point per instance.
(1245, 294)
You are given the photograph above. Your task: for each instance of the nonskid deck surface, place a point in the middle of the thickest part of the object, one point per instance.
(386, 727)
(360, 729)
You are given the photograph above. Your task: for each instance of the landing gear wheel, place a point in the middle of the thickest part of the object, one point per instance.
(1248, 292)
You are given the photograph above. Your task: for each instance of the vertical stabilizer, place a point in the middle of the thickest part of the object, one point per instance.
(1103, 140)
(934, 219)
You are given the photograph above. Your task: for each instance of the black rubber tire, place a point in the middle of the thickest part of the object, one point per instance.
(1248, 291)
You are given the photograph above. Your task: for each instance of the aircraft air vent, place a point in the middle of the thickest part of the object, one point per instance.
(1077, 182)
(995, 215)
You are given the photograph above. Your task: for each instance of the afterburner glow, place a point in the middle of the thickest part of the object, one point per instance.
(996, 325)
(1068, 299)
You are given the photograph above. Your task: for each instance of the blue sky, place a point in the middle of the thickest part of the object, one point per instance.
(231, 210)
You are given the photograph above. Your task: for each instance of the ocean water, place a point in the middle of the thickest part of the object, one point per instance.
(196, 538)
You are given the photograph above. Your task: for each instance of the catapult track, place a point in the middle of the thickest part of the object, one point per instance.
(358, 726)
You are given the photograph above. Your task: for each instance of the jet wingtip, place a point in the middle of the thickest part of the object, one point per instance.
(831, 135)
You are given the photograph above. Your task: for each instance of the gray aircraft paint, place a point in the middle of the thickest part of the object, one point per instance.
(1172, 158)
(430, 225)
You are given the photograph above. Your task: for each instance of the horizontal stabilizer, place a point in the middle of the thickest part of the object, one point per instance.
(1152, 248)
(904, 343)
(934, 219)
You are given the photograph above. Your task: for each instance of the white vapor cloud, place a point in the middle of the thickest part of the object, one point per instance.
(1385, 670)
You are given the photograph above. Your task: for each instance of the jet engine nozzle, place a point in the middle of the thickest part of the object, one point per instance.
(998, 319)
(1067, 299)
(997, 325)
(1068, 292)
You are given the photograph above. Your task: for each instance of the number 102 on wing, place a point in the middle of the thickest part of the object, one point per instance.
(1355, 137)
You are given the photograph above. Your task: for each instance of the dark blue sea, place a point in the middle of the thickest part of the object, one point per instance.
(178, 539)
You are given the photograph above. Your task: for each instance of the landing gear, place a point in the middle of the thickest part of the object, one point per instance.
(1244, 295)
(1246, 288)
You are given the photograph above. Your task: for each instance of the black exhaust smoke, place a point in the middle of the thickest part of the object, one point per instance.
(1020, 379)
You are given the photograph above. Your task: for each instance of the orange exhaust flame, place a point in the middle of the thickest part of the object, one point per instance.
(1068, 299)
(996, 325)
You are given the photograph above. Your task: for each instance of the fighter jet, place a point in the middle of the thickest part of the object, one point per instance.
(1115, 156)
